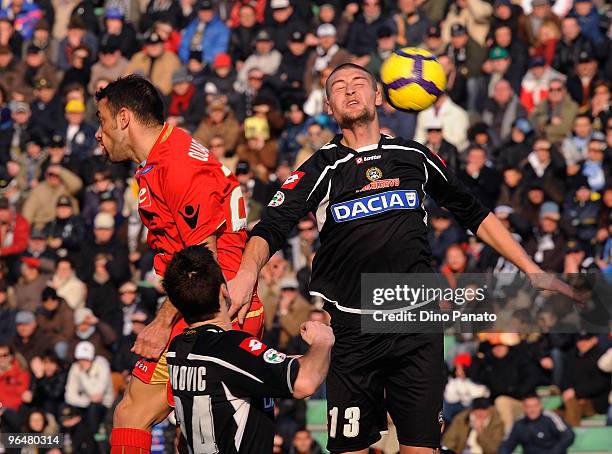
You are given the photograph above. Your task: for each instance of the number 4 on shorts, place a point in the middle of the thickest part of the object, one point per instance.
(351, 429)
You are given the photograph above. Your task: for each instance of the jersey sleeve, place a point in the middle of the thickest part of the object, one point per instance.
(196, 192)
(300, 194)
(448, 191)
(259, 369)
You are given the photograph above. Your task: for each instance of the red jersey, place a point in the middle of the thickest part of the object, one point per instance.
(186, 195)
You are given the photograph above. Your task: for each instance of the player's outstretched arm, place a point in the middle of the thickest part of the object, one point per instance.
(493, 232)
(315, 363)
(152, 340)
(255, 256)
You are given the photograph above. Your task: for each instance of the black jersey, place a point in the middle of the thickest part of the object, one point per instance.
(223, 383)
(370, 214)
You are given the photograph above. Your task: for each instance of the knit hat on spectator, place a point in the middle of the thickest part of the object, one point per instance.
(110, 44)
(180, 76)
(104, 221)
(457, 30)
(463, 360)
(75, 106)
(19, 107)
(242, 168)
(497, 53)
(434, 31)
(280, 4)
(38, 234)
(256, 128)
(537, 61)
(31, 262)
(572, 246)
(585, 56)
(503, 211)
(81, 314)
(433, 124)
(222, 60)
(289, 283)
(68, 412)
(523, 125)
(35, 138)
(113, 13)
(297, 37)
(205, 4)
(43, 82)
(579, 181)
(128, 287)
(195, 54)
(550, 210)
(33, 49)
(217, 103)
(85, 350)
(152, 38)
(57, 141)
(49, 293)
(480, 403)
(25, 317)
(64, 201)
(326, 30)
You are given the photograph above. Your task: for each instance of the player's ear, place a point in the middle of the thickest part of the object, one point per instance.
(328, 107)
(224, 295)
(123, 118)
(378, 99)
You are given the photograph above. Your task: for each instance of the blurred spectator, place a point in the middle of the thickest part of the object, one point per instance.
(589, 19)
(130, 303)
(89, 385)
(13, 136)
(291, 69)
(206, 33)
(67, 285)
(386, 40)
(327, 54)
(55, 321)
(580, 213)
(473, 15)
(548, 242)
(34, 67)
(154, 62)
(80, 135)
(316, 136)
(362, 33)
(119, 35)
(285, 21)
(538, 431)
(503, 367)
(219, 81)
(80, 437)
(265, 58)
(395, 122)
(29, 287)
(111, 63)
(303, 443)
(221, 121)
(77, 37)
(516, 148)
(29, 341)
(593, 167)
(443, 234)
(14, 380)
(259, 151)
(124, 359)
(185, 107)
(48, 383)
(46, 108)
(66, 232)
(532, 23)
(8, 68)
(554, 116)
(501, 110)
(161, 10)
(58, 155)
(574, 146)
(90, 328)
(38, 247)
(14, 231)
(454, 121)
(39, 422)
(7, 314)
(242, 37)
(411, 23)
(483, 181)
(546, 165)
(39, 208)
(289, 312)
(534, 85)
(9, 36)
(226, 157)
(477, 429)
(295, 129)
(460, 391)
(102, 185)
(24, 15)
(585, 386)
(572, 42)
(581, 83)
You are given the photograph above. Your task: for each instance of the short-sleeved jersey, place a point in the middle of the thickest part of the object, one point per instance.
(370, 211)
(185, 195)
(223, 383)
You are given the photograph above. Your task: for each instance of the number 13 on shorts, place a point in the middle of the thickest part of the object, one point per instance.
(350, 429)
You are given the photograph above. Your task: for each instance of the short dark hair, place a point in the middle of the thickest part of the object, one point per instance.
(136, 94)
(192, 281)
(350, 66)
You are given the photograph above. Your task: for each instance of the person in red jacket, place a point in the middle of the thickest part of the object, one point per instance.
(14, 381)
(14, 230)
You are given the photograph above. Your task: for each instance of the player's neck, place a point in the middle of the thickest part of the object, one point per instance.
(221, 320)
(361, 135)
(143, 141)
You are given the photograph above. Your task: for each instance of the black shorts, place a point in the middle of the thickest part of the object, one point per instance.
(372, 374)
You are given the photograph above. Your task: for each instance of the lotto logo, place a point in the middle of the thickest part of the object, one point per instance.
(362, 159)
(253, 345)
(293, 180)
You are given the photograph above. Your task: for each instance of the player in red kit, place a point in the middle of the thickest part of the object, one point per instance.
(186, 197)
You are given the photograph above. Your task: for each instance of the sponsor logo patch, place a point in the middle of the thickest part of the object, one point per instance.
(190, 216)
(273, 357)
(362, 159)
(277, 200)
(375, 204)
(144, 200)
(293, 180)
(374, 173)
(253, 345)
(380, 184)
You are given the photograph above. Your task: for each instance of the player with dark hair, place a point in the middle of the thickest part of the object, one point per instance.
(185, 197)
(367, 191)
(223, 380)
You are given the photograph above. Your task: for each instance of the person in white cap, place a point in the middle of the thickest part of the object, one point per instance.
(89, 385)
(327, 53)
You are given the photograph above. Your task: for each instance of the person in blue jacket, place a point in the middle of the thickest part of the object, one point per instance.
(206, 33)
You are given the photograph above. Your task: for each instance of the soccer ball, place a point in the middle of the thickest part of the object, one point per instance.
(412, 79)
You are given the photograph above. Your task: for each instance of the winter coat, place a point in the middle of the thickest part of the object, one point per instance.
(159, 71)
(215, 40)
(548, 434)
(58, 325)
(455, 438)
(540, 117)
(82, 385)
(13, 383)
(475, 17)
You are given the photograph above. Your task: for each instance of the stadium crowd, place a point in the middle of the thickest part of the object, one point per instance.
(525, 121)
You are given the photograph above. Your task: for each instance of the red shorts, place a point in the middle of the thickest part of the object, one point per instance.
(156, 372)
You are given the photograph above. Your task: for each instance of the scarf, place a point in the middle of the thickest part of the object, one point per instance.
(180, 103)
(324, 57)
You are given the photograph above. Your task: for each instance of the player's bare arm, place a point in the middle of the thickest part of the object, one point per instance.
(315, 363)
(256, 255)
(492, 232)
(153, 339)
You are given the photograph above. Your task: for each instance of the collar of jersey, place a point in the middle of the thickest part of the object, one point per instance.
(365, 148)
(163, 135)
(209, 327)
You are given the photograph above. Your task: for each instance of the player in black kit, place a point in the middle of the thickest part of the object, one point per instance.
(222, 380)
(367, 191)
